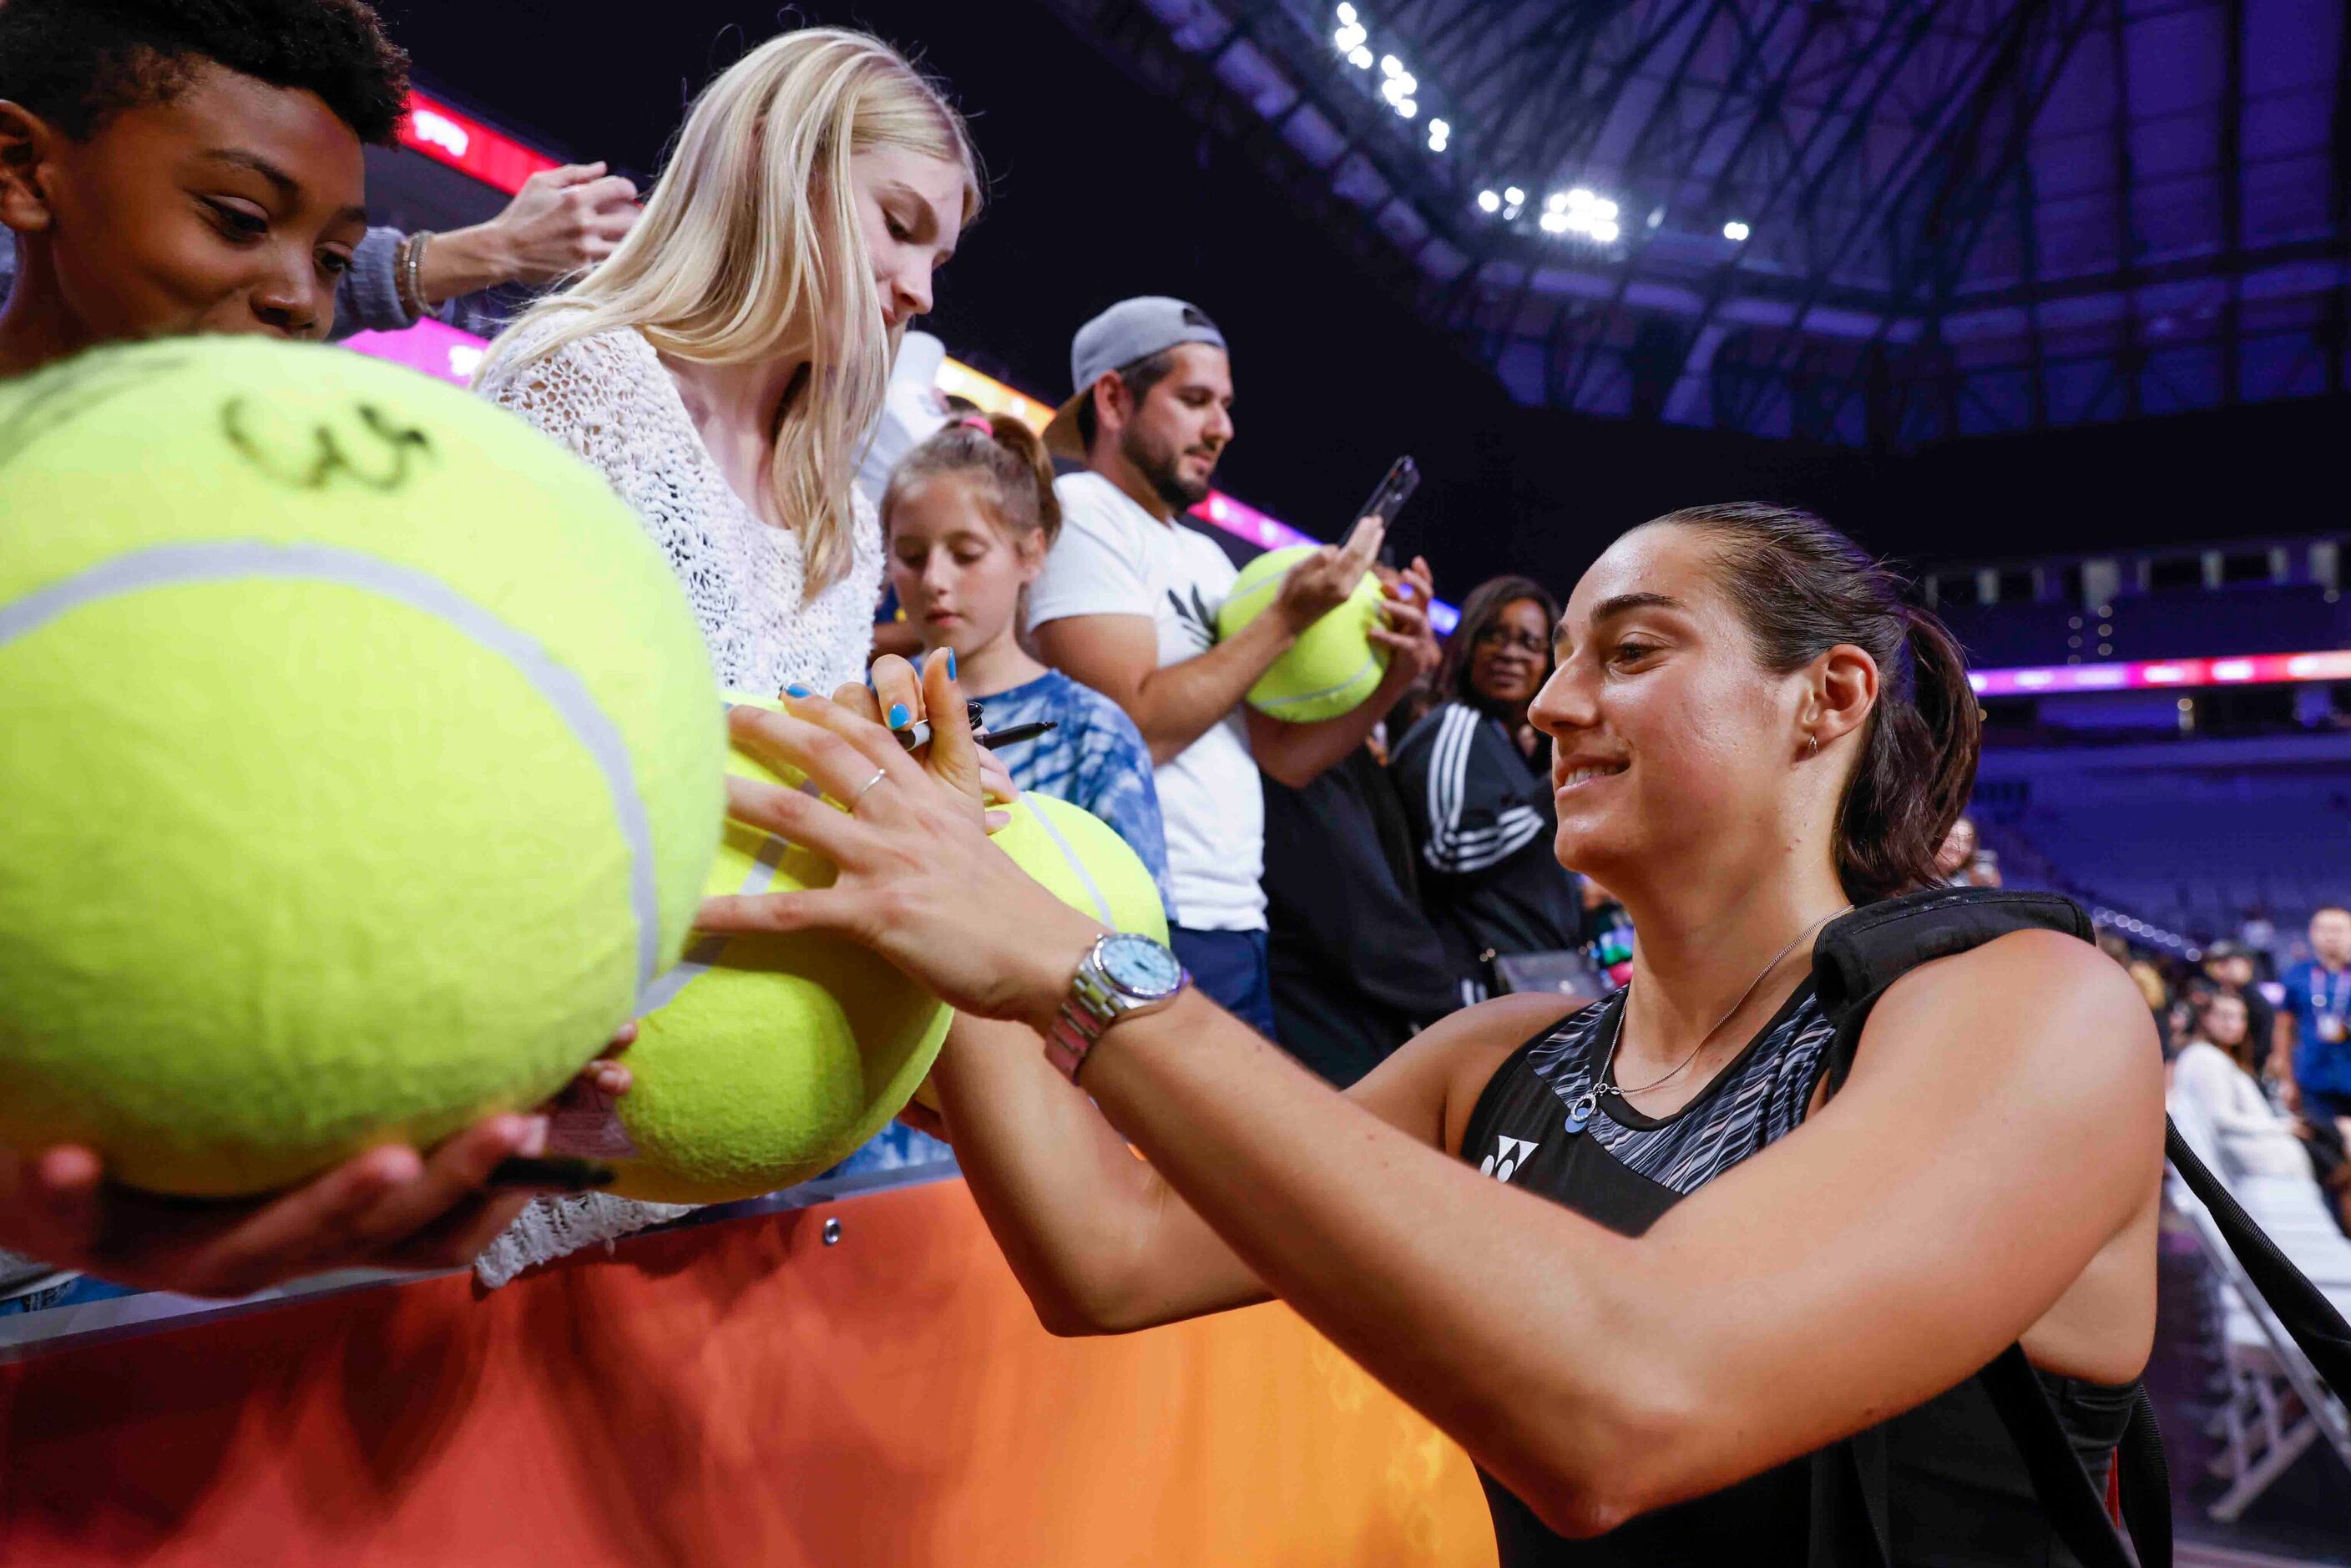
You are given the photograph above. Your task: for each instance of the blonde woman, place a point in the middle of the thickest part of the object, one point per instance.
(724, 367)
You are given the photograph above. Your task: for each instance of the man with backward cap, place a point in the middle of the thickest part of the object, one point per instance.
(1127, 604)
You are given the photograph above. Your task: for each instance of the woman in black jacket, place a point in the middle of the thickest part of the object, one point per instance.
(1471, 774)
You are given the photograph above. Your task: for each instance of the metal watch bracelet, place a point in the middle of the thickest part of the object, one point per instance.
(1073, 1035)
(1094, 1002)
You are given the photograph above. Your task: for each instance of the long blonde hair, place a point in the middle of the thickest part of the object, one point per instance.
(750, 247)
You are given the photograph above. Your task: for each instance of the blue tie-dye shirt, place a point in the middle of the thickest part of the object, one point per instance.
(1096, 759)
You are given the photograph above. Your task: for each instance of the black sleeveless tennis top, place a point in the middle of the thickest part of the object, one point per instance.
(1940, 1487)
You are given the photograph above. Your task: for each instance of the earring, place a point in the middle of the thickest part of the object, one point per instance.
(1812, 747)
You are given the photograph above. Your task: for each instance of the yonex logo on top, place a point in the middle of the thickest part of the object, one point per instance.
(1505, 1161)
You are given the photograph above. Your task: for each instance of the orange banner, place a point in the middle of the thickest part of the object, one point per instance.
(736, 1393)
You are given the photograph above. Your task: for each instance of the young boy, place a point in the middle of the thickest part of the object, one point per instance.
(176, 166)
(173, 166)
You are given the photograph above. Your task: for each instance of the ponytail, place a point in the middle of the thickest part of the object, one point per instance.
(1028, 448)
(1006, 455)
(1802, 588)
(1917, 770)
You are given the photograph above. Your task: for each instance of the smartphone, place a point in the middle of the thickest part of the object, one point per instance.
(1388, 499)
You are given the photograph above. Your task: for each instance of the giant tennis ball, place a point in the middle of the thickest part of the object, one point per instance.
(1081, 860)
(1333, 667)
(363, 762)
(769, 1058)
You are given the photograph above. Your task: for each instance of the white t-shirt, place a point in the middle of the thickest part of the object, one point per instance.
(1115, 559)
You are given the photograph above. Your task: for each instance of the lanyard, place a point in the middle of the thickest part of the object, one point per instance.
(2330, 993)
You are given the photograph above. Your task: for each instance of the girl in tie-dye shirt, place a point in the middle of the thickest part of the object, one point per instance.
(966, 520)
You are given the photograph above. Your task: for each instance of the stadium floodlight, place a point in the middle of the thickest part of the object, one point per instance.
(1515, 196)
(1736, 232)
(1489, 203)
(1578, 209)
(1398, 86)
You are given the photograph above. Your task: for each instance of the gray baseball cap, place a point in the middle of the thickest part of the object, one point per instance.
(1129, 330)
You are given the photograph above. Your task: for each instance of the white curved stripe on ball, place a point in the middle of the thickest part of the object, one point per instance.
(238, 560)
(1069, 853)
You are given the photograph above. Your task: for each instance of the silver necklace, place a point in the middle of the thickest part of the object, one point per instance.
(1579, 1114)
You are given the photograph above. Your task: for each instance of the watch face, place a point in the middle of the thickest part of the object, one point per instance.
(1140, 966)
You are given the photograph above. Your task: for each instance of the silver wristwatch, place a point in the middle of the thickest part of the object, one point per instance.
(1121, 974)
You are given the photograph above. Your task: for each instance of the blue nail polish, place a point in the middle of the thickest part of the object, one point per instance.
(797, 691)
(899, 715)
(951, 663)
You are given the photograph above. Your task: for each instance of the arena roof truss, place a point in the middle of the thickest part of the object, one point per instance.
(1869, 222)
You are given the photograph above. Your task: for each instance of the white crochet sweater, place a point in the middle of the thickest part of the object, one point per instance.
(608, 398)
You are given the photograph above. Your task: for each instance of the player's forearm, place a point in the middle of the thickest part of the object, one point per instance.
(1177, 704)
(1095, 1236)
(1452, 1291)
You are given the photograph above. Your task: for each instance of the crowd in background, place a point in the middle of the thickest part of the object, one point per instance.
(148, 198)
(1417, 827)
(2256, 1029)
(2262, 1047)
(732, 357)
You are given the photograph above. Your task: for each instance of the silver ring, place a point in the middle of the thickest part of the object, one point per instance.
(863, 790)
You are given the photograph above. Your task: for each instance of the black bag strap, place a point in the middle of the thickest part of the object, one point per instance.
(2302, 1308)
(1854, 961)
(1852, 1525)
(2144, 1477)
(1859, 955)
(2074, 1509)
